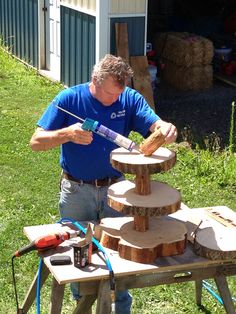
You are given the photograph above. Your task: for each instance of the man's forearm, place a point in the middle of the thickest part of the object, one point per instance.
(44, 140)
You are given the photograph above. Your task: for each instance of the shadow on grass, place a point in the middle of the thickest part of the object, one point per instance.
(203, 309)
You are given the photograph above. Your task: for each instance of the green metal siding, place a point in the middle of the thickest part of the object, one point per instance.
(77, 46)
(19, 28)
(136, 34)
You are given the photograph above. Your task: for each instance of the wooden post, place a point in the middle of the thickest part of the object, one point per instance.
(31, 295)
(141, 223)
(122, 42)
(222, 285)
(198, 291)
(143, 184)
(142, 187)
(104, 298)
(141, 79)
(56, 297)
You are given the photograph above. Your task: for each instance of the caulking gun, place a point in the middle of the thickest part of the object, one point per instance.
(96, 127)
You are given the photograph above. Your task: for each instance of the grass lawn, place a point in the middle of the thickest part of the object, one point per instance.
(29, 193)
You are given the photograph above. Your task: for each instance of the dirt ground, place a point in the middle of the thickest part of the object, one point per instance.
(202, 117)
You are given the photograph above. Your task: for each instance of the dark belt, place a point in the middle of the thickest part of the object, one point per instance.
(97, 182)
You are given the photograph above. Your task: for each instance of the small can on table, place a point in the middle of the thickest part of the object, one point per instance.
(82, 253)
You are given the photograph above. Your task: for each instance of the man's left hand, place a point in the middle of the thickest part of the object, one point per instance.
(168, 130)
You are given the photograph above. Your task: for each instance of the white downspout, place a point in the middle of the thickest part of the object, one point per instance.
(145, 34)
(41, 37)
(102, 28)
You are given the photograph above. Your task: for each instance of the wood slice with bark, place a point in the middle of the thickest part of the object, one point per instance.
(165, 237)
(163, 199)
(133, 162)
(216, 243)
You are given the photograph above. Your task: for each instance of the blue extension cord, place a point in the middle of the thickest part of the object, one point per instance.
(98, 245)
(210, 288)
(38, 286)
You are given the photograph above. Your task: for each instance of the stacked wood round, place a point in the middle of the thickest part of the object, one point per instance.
(148, 232)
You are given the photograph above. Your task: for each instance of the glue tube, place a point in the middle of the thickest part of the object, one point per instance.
(96, 127)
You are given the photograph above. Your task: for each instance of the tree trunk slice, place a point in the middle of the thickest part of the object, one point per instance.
(216, 244)
(135, 163)
(152, 143)
(163, 199)
(165, 237)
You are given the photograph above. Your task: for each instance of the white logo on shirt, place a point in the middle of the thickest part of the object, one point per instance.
(118, 115)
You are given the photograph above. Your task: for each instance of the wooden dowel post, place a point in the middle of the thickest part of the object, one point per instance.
(141, 223)
(143, 184)
(142, 187)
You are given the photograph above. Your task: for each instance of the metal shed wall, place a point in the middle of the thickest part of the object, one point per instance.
(136, 34)
(81, 5)
(19, 28)
(78, 40)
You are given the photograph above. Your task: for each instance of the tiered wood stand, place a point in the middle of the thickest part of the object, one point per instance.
(147, 232)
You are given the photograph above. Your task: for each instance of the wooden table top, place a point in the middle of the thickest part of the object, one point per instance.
(121, 267)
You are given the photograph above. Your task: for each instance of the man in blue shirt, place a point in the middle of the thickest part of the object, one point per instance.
(85, 156)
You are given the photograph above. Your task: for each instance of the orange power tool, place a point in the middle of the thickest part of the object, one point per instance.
(47, 242)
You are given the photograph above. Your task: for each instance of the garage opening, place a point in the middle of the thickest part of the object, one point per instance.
(192, 43)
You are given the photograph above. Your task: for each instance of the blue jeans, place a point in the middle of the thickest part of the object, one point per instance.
(85, 202)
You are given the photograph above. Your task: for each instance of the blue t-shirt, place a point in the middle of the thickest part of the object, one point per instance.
(88, 162)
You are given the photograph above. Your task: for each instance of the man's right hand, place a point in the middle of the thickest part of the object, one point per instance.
(78, 135)
(44, 140)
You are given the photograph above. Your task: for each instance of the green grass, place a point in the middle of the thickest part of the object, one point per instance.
(29, 192)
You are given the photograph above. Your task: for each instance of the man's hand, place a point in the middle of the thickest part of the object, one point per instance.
(78, 135)
(167, 129)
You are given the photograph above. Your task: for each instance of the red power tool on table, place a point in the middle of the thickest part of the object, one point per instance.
(47, 242)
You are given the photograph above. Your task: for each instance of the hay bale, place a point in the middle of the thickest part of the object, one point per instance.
(188, 78)
(184, 49)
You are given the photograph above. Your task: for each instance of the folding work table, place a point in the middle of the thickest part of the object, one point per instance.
(94, 279)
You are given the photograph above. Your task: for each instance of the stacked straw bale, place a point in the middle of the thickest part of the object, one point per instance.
(187, 59)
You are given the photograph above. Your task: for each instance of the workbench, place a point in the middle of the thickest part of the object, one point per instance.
(94, 279)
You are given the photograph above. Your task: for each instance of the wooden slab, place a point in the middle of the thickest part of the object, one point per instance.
(122, 42)
(216, 244)
(163, 199)
(134, 162)
(213, 238)
(142, 79)
(165, 237)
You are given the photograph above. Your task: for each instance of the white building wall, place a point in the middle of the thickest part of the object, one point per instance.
(118, 7)
(104, 10)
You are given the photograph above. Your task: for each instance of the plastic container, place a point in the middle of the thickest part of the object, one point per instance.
(223, 54)
(153, 74)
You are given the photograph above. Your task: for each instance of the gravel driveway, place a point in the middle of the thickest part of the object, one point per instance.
(202, 117)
